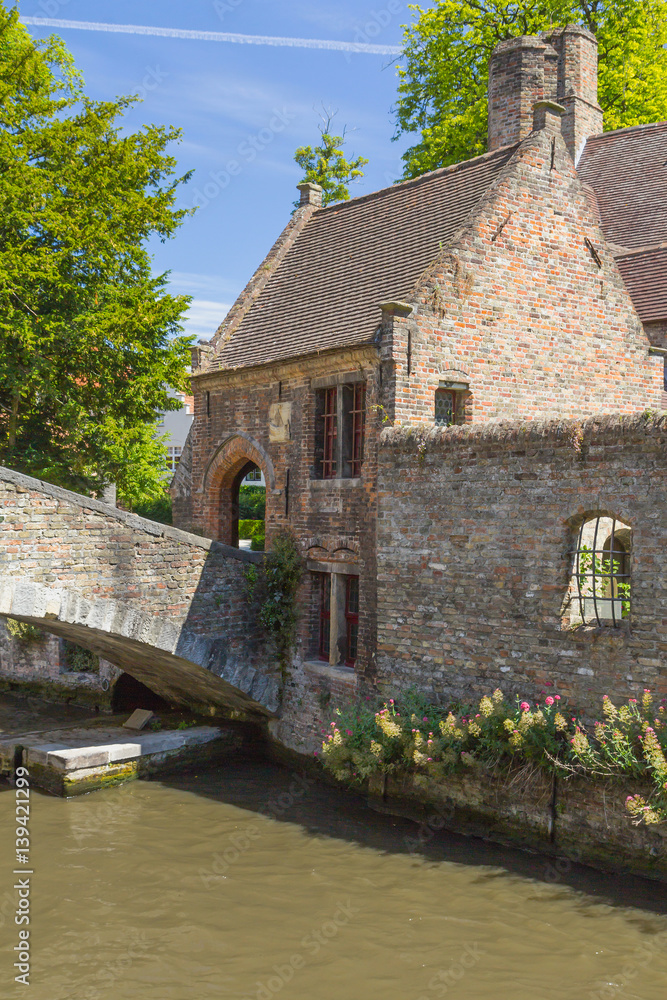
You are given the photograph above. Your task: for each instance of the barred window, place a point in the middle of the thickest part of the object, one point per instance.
(445, 407)
(340, 413)
(601, 572)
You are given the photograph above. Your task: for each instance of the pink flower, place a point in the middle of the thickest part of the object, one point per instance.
(557, 697)
(524, 706)
(549, 701)
(391, 701)
(549, 684)
(633, 701)
(349, 732)
(425, 719)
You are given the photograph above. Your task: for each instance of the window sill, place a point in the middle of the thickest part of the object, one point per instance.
(327, 670)
(322, 484)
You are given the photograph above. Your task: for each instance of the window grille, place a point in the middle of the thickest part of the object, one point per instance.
(357, 414)
(330, 417)
(602, 572)
(445, 407)
(351, 618)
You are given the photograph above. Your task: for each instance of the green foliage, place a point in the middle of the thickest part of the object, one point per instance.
(410, 735)
(443, 82)
(252, 503)
(80, 660)
(605, 572)
(275, 585)
(326, 164)
(156, 510)
(23, 631)
(88, 337)
(255, 530)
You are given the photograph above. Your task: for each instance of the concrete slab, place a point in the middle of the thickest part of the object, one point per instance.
(69, 762)
(139, 719)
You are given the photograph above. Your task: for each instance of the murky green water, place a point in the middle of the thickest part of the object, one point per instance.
(244, 882)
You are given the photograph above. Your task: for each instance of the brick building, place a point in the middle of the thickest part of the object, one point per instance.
(528, 283)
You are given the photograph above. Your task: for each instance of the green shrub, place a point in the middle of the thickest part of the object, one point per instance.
(23, 631)
(255, 531)
(410, 735)
(158, 510)
(252, 503)
(80, 660)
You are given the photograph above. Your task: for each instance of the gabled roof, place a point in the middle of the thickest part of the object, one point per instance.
(352, 256)
(627, 169)
(645, 275)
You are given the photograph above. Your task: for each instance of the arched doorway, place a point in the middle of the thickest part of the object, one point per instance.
(248, 508)
(224, 480)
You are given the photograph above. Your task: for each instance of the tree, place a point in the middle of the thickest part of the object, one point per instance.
(89, 339)
(326, 164)
(443, 84)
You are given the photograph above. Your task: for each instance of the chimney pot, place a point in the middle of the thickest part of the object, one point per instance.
(311, 194)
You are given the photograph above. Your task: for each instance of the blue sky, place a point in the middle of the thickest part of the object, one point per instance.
(249, 105)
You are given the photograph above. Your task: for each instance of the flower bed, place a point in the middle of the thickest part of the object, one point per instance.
(410, 736)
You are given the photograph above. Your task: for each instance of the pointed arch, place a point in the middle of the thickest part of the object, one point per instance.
(220, 483)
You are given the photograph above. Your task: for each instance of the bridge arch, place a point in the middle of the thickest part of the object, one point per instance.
(179, 665)
(222, 478)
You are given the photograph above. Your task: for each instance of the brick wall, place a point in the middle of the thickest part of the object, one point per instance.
(333, 520)
(526, 306)
(474, 563)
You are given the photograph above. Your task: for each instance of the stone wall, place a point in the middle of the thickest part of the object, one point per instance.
(476, 528)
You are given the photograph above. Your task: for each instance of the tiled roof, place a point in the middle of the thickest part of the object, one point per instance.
(627, 169)
(352, 256)
(645, 275)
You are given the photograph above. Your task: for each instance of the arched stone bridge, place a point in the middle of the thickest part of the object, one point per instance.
(166, 606)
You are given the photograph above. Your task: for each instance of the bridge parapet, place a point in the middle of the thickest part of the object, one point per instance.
(167, 606)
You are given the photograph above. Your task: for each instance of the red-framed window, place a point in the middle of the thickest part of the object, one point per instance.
(324, 645)
(352, 618)
(330, 434)
(357, 414)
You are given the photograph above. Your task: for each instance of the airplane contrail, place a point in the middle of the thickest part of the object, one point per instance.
(215, 36)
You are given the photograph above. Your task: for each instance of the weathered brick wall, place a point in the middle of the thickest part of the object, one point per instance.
(518, 306)
(474, 557)
(333, 520)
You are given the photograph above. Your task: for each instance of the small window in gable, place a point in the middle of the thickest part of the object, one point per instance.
(445, 407)
(601, 581)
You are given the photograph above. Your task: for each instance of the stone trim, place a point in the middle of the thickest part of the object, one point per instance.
(327, 381)
(343, 568)
(322, 484)
(308, 366)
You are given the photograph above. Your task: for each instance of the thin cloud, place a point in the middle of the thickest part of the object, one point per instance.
(215, 36)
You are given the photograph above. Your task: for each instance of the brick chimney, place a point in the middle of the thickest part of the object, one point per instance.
(577, 90)
(559, 66)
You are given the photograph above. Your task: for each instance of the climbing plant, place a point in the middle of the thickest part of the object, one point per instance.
(275, 586)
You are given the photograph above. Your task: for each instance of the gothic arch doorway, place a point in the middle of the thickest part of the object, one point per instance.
(227, 470)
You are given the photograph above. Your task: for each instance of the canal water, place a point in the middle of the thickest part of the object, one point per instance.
(247, 881)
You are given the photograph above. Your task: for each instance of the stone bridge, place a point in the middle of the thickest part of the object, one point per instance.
(166, 606)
